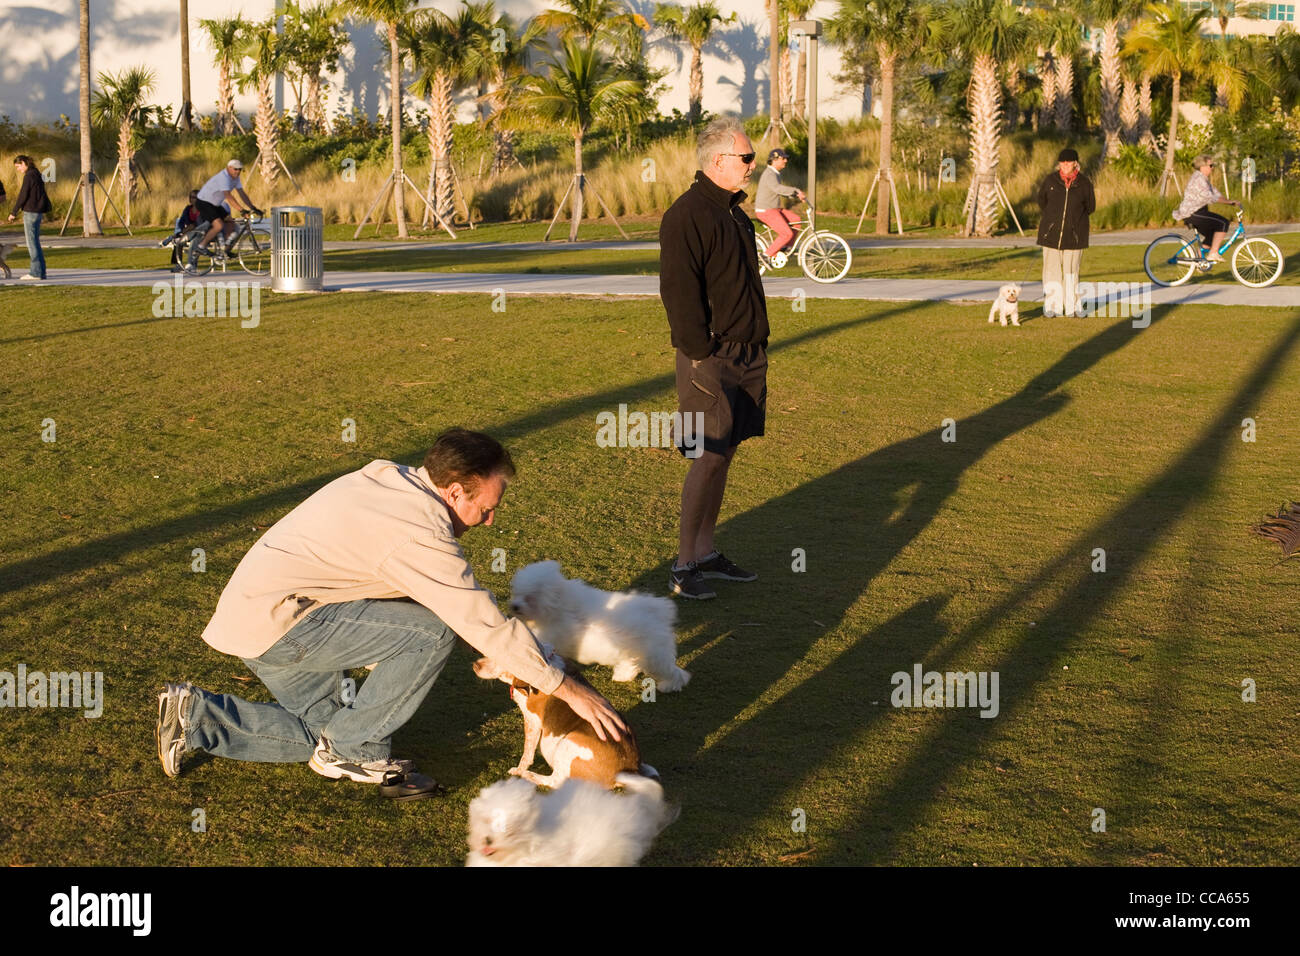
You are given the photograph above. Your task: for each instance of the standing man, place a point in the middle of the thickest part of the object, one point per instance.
(33, 203)
(366, 572)
(710, 286)
(767, 202)
(214, 205)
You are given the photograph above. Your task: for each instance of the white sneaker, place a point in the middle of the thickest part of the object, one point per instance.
(325, 763)
(169, 731)
(31, 278)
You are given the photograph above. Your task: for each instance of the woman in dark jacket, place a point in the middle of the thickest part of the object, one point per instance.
(33, 203)
(1067, 200)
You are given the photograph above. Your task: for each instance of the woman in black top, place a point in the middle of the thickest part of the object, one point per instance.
(1067, 201)
(33, 203)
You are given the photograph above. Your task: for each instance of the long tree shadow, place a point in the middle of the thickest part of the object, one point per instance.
(859, 516)
(222, 520)
(954, 738)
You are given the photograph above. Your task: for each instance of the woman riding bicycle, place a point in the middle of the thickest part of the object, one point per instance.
(1195, 207)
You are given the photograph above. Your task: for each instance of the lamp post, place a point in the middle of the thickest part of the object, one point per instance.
(811, 29)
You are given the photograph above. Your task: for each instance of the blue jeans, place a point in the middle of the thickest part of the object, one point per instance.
(304, 671)
(32, 233)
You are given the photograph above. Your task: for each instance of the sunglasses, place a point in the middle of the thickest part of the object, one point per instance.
(745, 158)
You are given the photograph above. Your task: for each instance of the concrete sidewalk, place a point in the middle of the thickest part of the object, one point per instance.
(892, 290)
(1132, 237)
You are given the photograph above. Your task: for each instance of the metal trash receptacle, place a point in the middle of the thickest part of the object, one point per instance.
(297, 249)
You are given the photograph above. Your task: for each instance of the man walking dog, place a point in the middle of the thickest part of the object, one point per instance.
(710, 286)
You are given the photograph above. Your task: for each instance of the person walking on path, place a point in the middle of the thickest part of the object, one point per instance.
(1067, 200)
(33, 203)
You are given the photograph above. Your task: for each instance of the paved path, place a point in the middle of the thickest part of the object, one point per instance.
(895, 290)
(466, 243)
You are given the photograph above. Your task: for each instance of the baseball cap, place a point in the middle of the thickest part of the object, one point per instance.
(777, 154)
(234, 164)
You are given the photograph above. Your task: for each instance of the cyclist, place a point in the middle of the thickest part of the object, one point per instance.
(767, 202)
(1195, 208)
(214, 205)
(186, 221)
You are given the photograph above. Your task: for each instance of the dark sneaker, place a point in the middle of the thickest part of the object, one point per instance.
(688, 582)
(719, 567)
(328, 764)
(173, 704)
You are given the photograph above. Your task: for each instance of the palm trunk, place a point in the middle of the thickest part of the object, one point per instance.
(187, 116)
(124, 167)
(225, 101)
(1064, 93)
(315, 101)
(90, 215)
(577, 189)
(887, 62)
(697, 84)
(440, 122)
(267, 133)
(1173, 135)
(1012, 111)
(1144, 113)
(985, 102)
(395, 89)
(1128, 111)
(1047, 108)
(786, 105)
(1110, 88)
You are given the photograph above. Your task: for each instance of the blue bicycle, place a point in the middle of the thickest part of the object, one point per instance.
(1175, 258)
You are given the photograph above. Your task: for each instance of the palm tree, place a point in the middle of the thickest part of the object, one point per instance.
(1222, 11)
(90, 215)
(121, 102)
(799, 10)
(1280, 67)
(315, 39)
(986, 33)
(502, 55)
(594, 21)
(264, 50)
(444, 56)
(1059, 32)
(1169, 43)
(1114, 85)
(581, 89)
(226, 37)
(390, 13)
(693, 25)
(895, 30)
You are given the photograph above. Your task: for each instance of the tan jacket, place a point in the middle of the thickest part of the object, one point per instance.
(381, 532)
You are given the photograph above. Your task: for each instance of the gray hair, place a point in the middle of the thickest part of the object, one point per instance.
(718, 137)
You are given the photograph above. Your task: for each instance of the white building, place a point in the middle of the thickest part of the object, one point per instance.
(39, 69)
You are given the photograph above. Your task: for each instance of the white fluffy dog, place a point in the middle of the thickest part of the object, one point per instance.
(1005, 304)
(579, 824)
(630, 632)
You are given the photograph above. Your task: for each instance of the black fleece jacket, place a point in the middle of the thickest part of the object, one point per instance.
(1064, 222)
(708, 271)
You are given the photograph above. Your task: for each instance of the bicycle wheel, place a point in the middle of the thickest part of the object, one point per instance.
(202, 262)
(825, 257)
(1257, 262)
(1168, 260)
(254, 251)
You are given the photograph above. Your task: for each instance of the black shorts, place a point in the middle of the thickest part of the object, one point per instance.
(1207, 223)
(210, 213)
(725, 395)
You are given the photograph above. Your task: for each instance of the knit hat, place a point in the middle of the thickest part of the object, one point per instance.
(1067, 155)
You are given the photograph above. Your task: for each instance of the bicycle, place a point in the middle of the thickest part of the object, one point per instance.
(1172, 259)
(823, 256)
(251, 246)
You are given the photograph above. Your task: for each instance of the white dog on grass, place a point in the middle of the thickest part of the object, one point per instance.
(1005, 304)
(630, 632)
(579, 824)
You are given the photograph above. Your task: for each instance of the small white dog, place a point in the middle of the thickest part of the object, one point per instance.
(630, 632)
(1005, 304)
(579, 824)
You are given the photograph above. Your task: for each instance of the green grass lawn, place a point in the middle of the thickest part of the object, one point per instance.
(1100, 263)
(1119, 689)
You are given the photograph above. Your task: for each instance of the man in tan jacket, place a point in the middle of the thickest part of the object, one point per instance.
(367, 571)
